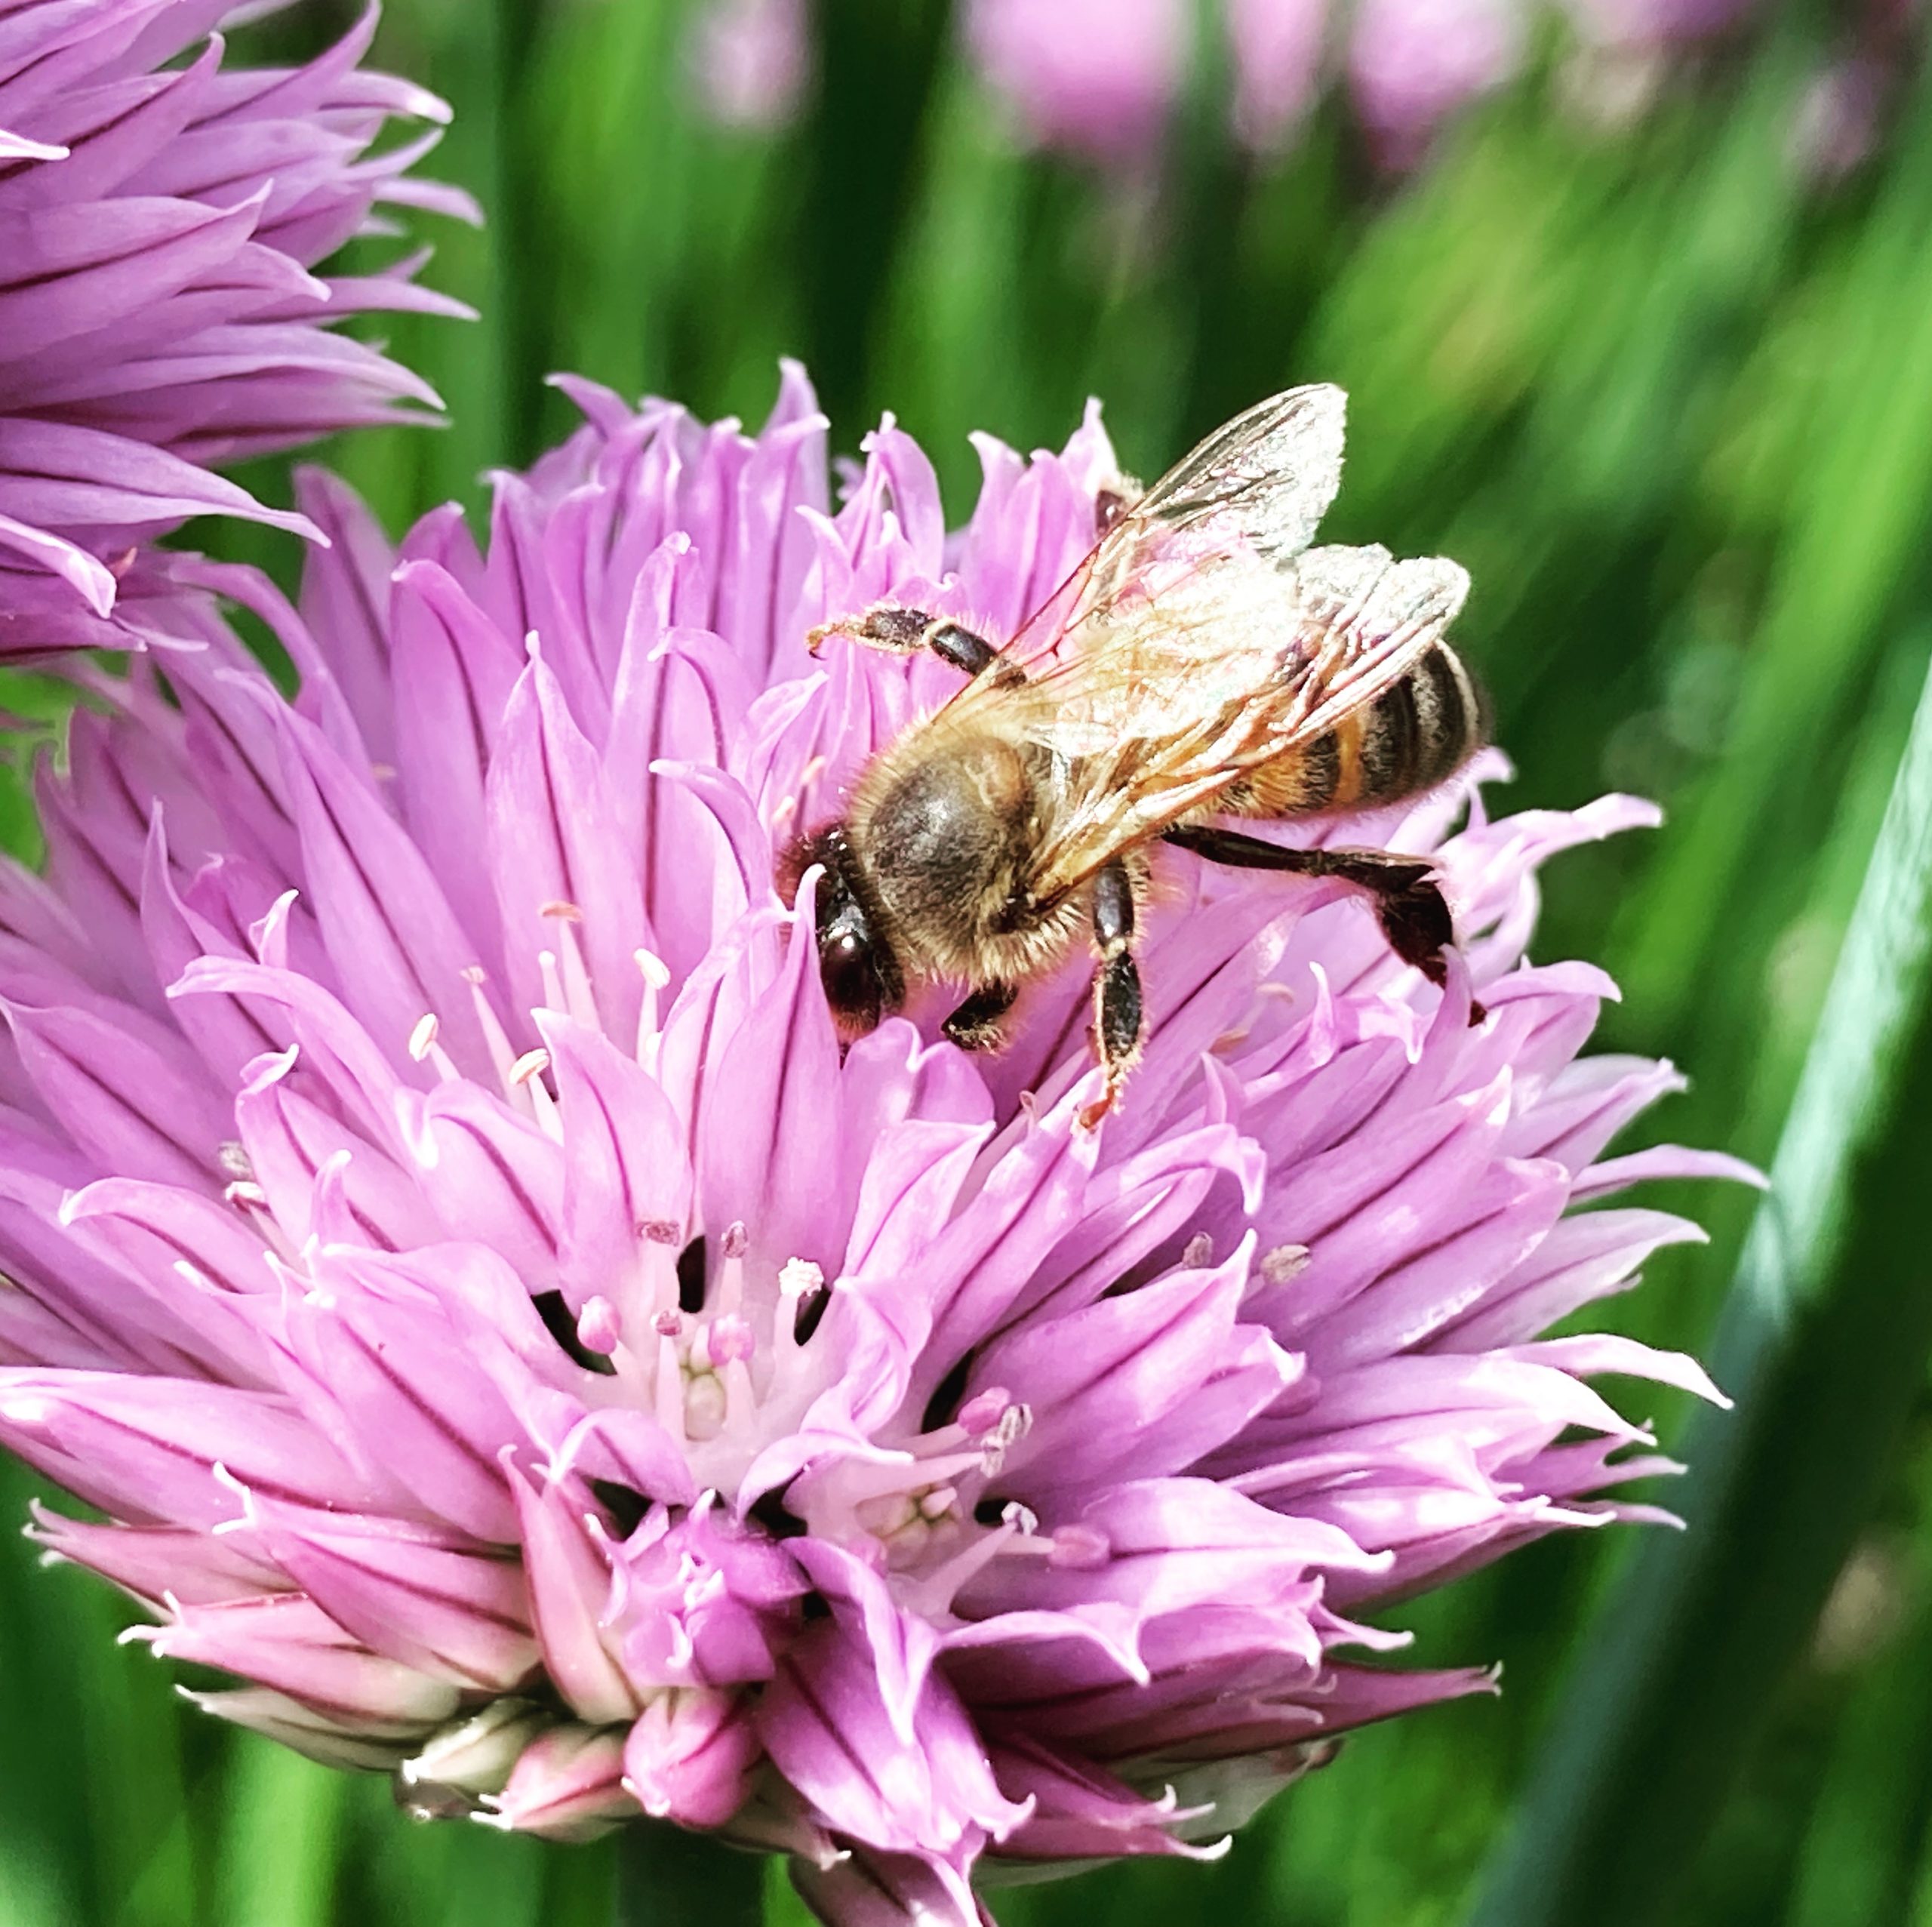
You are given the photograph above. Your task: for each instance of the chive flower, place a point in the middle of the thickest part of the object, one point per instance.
(498, 1324)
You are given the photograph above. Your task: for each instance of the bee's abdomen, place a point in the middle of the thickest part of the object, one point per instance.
(1408, 739)
(1414, 734)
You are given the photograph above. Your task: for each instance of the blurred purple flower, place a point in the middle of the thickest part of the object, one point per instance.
(158, 224)
(1649, 26)
(1277, 46)
(753, 60)
(1102, 82)
(1412, 62)
(1098, 77)
(446, 1239)
(1840, 114)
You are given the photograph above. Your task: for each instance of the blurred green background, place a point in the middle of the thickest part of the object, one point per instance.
(1670, 398)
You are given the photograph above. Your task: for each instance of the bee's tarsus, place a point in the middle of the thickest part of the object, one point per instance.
(1409, 903)
(1119, 1015)
(1415, 920)
(903, 631)
(892, 625)
(1119, 1011)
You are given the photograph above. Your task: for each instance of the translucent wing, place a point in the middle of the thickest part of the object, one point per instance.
(1203, 638)
(1257, 487)
(1266, 477)
(1181, 694)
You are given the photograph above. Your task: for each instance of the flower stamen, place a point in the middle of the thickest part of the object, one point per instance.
(579, 1001)
(732, 1247)
(502, 1058)
(1283, 1263)
(803, 1284)
(656, 975)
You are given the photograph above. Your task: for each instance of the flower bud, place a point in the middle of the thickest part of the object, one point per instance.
(468, 1758)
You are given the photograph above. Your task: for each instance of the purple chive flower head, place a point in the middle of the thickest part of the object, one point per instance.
(161, 216)
(504, 1329)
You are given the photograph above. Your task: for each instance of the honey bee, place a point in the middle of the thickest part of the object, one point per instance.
(1203, 661)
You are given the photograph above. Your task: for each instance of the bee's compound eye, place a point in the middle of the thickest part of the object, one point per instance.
(851, 974)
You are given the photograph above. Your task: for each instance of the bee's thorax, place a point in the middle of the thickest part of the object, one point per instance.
(948, 840)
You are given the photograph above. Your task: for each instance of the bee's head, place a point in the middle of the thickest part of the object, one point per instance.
(862, 976)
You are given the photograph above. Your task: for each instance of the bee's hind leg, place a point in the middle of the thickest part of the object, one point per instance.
(1409, 903)
(1119, 1013)
(975, 1025)
(902, 630)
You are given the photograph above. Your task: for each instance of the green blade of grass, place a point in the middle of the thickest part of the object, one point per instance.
(283, 1839)
(1822, 1342)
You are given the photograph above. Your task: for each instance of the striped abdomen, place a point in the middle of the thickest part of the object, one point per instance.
(1408, 739)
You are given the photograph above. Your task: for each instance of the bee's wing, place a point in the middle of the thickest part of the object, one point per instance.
(1259, 484)
(1264, 479)
(1207, 664)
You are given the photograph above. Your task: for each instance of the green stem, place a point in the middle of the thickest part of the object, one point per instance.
(667, 1877)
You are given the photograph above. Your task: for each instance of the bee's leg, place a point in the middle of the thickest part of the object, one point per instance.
(975, 1026)
(1409, 902)
(1119, 1017)
(903, 630)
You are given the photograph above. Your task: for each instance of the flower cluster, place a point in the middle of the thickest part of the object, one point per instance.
(444, 1236)
(160, 217)
(1104, 81)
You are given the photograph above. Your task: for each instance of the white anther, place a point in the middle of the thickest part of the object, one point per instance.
(798, 1278)
(1014, 1424)
(656, 975)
